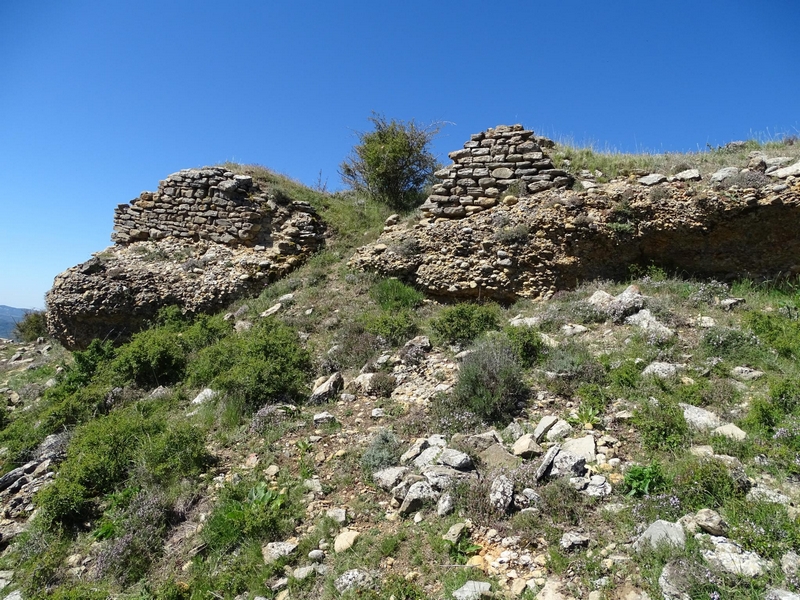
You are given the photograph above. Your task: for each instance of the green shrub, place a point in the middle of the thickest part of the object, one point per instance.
(490, 381)
(727, 342)
(394, 295)
(643, 480)
(779, 331)
(764, 528)
(627, 375)
(264, 364)
(249, 510)
(32, 326)
(153, 357)
(573, 365)
(462, 323)
(178, 451)
(526, 343)
(661, 425)
(394, 327)
(703, 484)
(384, 451)
(392, 163)
(86, 364)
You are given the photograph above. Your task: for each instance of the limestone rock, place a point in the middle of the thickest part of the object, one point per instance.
(729, 556)
(661, 532)
(526, 447)
(583, 447)
(731, 431)
(327, 391)
(345, 540)
(501, 493)
(711, 522)
(653, 179)
(700, 418)
(472, 590)
(790, 171)
(418, 494)
(352, 579)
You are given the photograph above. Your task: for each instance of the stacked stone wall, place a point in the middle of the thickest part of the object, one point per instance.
(499, 162)
(217, 205)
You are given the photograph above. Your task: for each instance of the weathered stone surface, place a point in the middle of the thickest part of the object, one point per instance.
(345, 540)
(711, 522)
(526, 447)
(653, 179)
(352, 579)
(731, 431)
(200, 254)
(702, 231)
(472, 590)
(390, 477)
(661, 532)
(790, 171)
(584, 447)
(328, 390)
(418, 494)
(275, 550)
(495, 457)
(700, 418)
(501, 493)
(689, 175)
(729, 556)
(454, 458)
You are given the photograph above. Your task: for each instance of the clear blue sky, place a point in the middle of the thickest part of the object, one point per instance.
(100, 100)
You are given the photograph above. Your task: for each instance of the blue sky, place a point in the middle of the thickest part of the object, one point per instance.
(100, 100)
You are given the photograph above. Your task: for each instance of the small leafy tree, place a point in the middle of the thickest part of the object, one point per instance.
(32, 326)
(392, 163)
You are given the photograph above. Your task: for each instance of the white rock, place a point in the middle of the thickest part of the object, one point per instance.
(544, 426)
(653, 179)
(746, 373)
(791, 170)
(730, 557)
(583, 447)
(731, 431)
(558, 431)
(272, 310)
(689, 175)
(662, 370)
(206, 394)
(345, 540)
(661, 532)
(700, 418)
(472, 590)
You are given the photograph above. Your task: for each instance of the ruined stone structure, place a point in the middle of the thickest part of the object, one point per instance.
(212, 204)
(206, 238)
(497, 162)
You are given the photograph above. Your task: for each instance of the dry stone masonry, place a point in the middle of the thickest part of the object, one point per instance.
(217, 205)
(205, 238)
(505, 160)
(492, 229)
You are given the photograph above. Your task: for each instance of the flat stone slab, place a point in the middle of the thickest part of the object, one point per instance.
(661, 532)
(731, 431)
(472, 590)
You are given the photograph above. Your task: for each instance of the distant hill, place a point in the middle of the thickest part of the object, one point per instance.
(9, 316)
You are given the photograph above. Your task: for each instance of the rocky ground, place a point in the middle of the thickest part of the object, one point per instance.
(477, 512)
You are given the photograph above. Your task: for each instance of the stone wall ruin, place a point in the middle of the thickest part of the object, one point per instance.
(501, 161)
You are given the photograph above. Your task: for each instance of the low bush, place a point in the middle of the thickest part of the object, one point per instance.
(780, 332)
(265, 364)
(573, 365)
(661, 425)
(703, 484)
(490, 383)
(462, 323)
(249, 510)
(153, 357)
(32, 326)
(394, 327)
(526, 343)
(142, 527)
(384, 451)
(393, 295)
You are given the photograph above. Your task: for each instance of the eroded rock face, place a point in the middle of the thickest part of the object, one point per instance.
(544, 241)
(204, 239)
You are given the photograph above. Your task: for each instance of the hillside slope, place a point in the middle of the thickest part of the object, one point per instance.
(342, 435)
